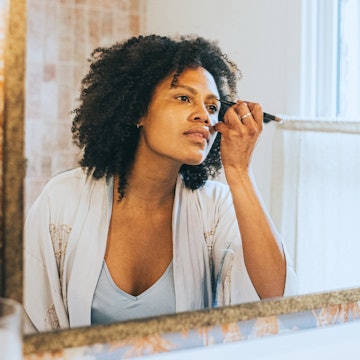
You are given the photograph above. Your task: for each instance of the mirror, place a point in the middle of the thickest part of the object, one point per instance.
(68, 66)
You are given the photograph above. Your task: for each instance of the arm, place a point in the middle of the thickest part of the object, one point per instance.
(263, 253)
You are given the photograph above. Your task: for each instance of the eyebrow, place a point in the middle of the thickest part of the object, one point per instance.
(194, 91)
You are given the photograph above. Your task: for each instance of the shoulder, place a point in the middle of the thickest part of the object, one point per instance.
(69, 186)
(214, 190)
(67, 180)
(62, 196)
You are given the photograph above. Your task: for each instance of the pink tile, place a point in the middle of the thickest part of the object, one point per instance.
(72, 29)
(49, 103)
(65, 34)
(134, 24)
(79, 71)
(64, 102)
(62, 162)
(32, 189)
(46, 165)
(35, 31)
(110, 4)
(33, 91)
(51, 29)
(124, 6)
(107, 24)
(134, 7)
(122, 26)
(94, 29)
(64, 71)
(49, 72)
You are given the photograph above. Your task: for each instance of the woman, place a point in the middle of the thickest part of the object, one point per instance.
(139, 229)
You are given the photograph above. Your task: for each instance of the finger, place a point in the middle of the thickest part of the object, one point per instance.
(232, 116)
(250, 117)
(244, 112)
(220, 127)
(245, 116)
(256, 111)
(247, 112)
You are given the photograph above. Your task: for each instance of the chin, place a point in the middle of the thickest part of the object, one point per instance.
(194, 162)
(195, 158)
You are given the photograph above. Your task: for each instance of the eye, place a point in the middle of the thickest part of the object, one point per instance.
(183, 98)
(213, 109)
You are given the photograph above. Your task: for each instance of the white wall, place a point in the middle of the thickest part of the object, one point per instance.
(261, 36)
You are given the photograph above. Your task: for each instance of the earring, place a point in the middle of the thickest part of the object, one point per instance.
(138, 126)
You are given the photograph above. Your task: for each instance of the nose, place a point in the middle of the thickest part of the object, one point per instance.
(201, 115)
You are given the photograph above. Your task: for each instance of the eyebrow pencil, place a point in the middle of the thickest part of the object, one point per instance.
(267, 117)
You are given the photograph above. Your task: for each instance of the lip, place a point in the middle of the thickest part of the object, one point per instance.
(199, 131)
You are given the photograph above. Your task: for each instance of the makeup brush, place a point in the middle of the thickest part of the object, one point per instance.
(267, 117)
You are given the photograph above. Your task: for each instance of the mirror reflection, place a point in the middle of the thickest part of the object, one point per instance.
(61, 36)
(140, 229)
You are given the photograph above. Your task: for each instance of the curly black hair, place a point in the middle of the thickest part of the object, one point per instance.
(118, 89)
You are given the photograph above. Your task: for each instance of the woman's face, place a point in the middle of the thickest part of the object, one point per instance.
(179, 124)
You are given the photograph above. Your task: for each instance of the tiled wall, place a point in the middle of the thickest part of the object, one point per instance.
(61, 35)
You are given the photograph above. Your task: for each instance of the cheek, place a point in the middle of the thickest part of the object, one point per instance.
(163, 121)
(160, 137)
(162, 131)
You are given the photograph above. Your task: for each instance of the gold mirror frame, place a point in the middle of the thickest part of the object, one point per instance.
(13, 148)
(12, 223)
(182, 322)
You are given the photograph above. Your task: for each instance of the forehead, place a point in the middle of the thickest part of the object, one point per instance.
(199, 79)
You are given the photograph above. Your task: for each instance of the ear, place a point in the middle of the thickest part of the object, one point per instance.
(140, 122)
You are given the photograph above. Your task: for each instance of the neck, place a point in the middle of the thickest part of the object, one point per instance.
(148, 188)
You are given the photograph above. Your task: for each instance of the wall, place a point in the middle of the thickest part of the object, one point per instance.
(62, 33)
(263, 38)
(61, 36)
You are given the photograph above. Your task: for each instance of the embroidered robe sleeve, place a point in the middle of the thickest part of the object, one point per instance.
(45, 243)
(65, 239)
(231, 282)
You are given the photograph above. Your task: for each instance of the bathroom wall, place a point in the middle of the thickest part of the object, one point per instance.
(263, 38)
(62, 33)
(60, 37)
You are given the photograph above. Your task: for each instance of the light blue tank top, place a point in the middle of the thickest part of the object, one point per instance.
(111, 304)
